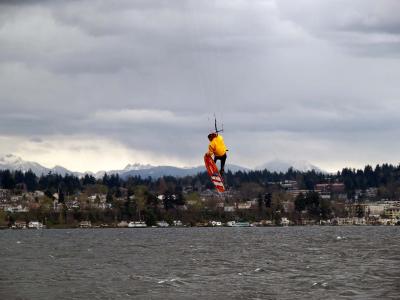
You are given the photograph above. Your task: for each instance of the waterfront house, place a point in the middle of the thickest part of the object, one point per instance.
(342, 221)
(307, 222)
(288, 185)
(393, 212)
(338, 187)
(387, 221)
(16, 198)
(229, 208)
(17, 209)
(325, 195)
(38, 194)
(359, 221)
(322, 187)
(244, 205)
(295, 192)
(374, 208)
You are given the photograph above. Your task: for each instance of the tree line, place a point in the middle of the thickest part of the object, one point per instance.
(382, 176)
(136, 198)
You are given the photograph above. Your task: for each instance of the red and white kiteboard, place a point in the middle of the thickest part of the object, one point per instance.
(214, 173)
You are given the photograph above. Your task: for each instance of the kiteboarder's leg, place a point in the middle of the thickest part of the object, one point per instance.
(217, 158)
(223, 159)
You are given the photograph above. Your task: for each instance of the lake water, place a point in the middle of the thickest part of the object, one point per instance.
(201, 263)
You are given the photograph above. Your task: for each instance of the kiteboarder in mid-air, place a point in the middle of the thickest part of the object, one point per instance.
(217, 149)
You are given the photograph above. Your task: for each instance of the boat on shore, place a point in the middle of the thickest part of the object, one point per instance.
(35, 225)
(162, 224)
(137, 224)
(238, 224)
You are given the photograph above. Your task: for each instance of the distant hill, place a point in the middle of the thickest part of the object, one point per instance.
(282, 166)
(159, 171)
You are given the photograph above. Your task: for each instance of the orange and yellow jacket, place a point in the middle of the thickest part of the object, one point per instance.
(217, 146)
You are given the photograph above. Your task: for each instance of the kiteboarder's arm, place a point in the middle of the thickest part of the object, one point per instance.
(211, 149)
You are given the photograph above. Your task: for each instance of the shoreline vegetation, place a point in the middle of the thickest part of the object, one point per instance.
(368, 196)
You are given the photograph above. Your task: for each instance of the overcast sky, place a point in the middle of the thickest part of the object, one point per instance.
(94, 85)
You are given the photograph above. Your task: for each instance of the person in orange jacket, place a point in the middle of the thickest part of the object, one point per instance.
(217, 149)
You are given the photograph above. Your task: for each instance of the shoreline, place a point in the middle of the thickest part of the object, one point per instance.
(175, 227)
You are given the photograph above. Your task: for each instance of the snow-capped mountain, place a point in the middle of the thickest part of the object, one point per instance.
(282, 166)
(63, 171)
(13, 163)
(145, 171)
(137, 167)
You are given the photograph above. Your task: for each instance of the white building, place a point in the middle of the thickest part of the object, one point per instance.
(38, 194)
(17, 209)
(245, 205)
(229, 208)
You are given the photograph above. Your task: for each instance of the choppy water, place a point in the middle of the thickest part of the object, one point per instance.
(201, 263)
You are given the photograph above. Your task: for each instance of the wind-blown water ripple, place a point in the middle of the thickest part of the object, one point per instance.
(207, 263)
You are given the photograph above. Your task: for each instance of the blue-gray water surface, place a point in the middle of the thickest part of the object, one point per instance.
(201, 263)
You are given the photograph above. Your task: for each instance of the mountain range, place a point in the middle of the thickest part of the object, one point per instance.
(12, 162)
(278, 165)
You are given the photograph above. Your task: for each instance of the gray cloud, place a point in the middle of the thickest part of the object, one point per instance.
(364, 27)
(303, 79)
(36, 140)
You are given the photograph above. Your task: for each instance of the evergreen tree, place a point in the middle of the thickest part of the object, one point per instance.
(7, 180)
(300, 202)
